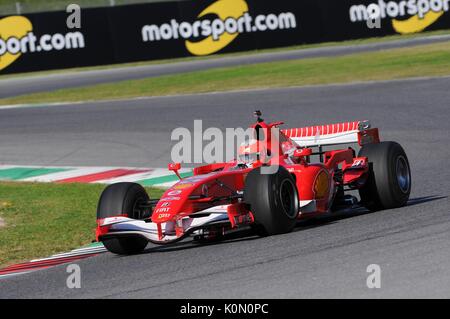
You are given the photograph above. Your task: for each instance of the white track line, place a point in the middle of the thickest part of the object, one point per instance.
(7, 166)
(73, 253)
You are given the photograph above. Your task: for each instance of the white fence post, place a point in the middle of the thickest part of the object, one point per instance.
(18, 8)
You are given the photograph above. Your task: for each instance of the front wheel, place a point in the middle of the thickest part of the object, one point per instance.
(389, 182)
(123, 199)
(273, 200)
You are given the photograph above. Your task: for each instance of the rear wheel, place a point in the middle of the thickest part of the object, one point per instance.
(273, 200)
(389, 181)
(123, 199)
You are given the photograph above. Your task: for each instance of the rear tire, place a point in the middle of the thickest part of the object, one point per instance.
(122, 199)
(389, 181)
(273, 200)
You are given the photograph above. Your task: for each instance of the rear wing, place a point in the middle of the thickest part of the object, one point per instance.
(333, 134)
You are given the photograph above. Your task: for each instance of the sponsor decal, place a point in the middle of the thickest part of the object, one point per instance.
(209, 35)
(163, 215)
(194, 179)
(407, 16)
(191, 179)
(17, 37)
(162, 210)
(165, 204)
(174, 193)
(321, 185)
(183, 185)
(171, 198)
(358, 163)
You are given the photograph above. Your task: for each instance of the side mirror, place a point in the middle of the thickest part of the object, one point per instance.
(302, 152)
(175, 167)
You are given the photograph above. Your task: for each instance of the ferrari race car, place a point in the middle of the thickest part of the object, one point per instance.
(268, 188)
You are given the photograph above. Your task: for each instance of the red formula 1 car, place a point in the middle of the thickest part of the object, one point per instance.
(223, 197)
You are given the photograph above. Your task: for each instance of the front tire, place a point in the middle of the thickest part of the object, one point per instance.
(123, 199)
(273, 200)
(389, 181)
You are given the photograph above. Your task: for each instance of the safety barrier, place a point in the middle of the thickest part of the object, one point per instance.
(150, 31)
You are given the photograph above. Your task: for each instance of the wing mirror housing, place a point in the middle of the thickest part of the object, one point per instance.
(175, 167)
(302, 153)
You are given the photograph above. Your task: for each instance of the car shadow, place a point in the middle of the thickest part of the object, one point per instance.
(333, 217)
(330, 218)
(249, 234)
(424, 199)
(238, 236)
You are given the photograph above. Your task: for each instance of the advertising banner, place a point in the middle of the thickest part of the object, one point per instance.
(43, 42)
(202, 28)
(151, 31)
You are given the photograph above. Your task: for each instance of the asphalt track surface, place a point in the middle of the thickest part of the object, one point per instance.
(11, 87)
(322, 258)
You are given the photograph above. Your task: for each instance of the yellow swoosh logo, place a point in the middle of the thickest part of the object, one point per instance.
(415, 24)
(13, 26)
(223, 9)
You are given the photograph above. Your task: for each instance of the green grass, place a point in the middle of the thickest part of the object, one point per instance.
(425, 60)
(43, 219)
(234, 54)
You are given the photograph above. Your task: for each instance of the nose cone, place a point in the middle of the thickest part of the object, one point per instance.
(162, 213)
(172, 201)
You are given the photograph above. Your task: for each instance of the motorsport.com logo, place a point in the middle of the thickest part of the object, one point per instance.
(395, 9)
(217, 27)
(47, 42)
